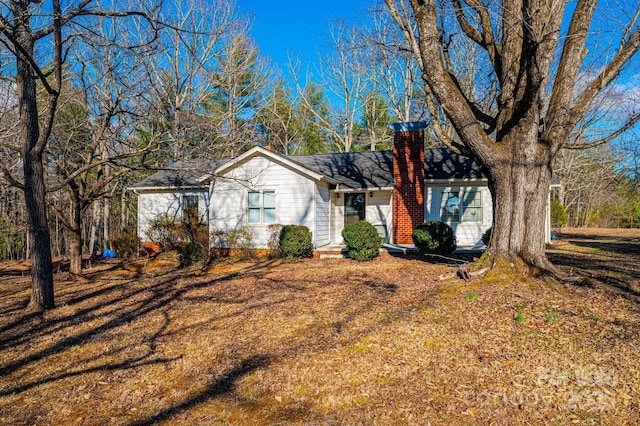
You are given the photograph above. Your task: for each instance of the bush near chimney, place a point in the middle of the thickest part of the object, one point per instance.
(362, 240)
(434, 238)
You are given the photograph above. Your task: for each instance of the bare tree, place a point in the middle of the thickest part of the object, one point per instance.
(373, 129)
(392, 67)
(29, 31)
(541, 96)
(94, 133)
(182, 67)
(342, 73)
(589, 182)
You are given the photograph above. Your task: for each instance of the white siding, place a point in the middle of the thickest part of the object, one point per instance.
(152, 205)
(337, 218)
(468, 234)
(323, 216)
(378, 211)
(297, 198)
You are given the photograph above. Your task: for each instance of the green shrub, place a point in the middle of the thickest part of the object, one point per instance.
(486, 237)
(362, 240)
(434, 238)
(559, 215)
(295, 241)
(191, 253)
(126, 245)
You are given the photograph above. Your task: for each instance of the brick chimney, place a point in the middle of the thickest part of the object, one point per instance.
(408, 174)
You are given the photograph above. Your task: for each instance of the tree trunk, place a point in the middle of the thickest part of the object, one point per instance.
(106, 230)
(75, 252)
(75, 238)
(123, 210)
(34, 184)
(106, 223)
(520, 191)
(41, 261)
(93, 229)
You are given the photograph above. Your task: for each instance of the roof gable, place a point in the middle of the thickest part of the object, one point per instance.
(277, 158)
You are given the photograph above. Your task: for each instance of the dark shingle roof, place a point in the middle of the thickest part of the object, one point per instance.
(443, 164)
(182, 174)
(352, 170)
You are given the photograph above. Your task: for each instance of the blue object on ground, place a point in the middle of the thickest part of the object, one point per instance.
(108, 254)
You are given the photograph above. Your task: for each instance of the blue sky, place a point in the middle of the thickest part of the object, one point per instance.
(298, 27)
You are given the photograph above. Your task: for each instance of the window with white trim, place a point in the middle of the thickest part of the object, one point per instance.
(262, 207)
(461, 207)
(472, 207)
(450, 207)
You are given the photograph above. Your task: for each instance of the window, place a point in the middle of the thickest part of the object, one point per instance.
(190, 209)
(468, 210)
(472, 206)
(354, 207)
(262, 207)
(450, 211)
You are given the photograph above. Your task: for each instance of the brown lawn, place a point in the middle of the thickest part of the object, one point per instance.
(328, 342)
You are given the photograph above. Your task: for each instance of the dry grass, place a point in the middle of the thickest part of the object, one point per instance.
(326, 342)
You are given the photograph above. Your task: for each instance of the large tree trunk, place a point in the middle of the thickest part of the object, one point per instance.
(41, 261)
(34, 184)
(520, 190)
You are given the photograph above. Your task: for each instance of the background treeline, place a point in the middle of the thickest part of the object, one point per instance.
(132, 105)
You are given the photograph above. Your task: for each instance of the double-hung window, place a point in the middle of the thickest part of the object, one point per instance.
(450, 207)
(472, 207)
(461, 207)
(262, 207)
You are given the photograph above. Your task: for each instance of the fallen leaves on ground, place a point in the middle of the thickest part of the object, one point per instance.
(322, 342)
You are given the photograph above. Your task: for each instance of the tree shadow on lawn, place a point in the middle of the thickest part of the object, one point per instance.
(626, 245)
(112, 307)
(119, 304)
(220, 387)
(611, 261)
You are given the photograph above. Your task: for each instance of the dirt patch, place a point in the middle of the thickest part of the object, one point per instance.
(323, 342)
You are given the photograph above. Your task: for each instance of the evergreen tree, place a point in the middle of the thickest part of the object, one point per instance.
(238, 85)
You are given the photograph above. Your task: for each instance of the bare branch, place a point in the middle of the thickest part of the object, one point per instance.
(592, 144)
(606, 76)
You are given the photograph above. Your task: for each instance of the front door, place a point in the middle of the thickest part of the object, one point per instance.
(354, 207)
